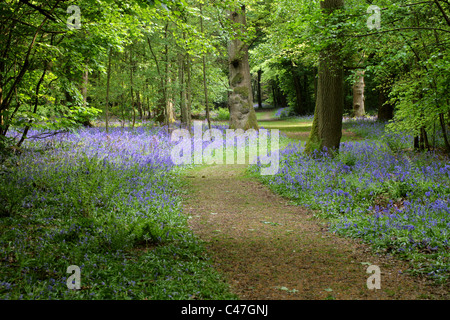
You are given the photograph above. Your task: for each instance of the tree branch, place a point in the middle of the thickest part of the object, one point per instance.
(42, 11)
(398, 29)
(442, 11)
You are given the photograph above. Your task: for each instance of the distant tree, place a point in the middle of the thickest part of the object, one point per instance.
(326, 131)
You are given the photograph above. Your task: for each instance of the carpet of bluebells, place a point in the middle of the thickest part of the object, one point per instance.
(377, 191)
(108, 203)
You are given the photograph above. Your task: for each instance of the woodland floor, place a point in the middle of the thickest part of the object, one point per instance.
(269, 249)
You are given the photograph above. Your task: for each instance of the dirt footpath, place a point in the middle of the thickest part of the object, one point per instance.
(268, 249)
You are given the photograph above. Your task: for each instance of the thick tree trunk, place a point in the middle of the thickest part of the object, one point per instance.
(327, 127)
(358, 95)
(240, 99)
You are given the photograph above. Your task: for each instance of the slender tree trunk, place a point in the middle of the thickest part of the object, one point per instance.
(205, 87)
(183, 94)
(108, 77)
(385, 109)
(139, 105)
(131, 87)
(166, 78)
(170, 118)
(84, 87)
(426, 143)
(274, 95)
(358, 95)
(299, 100)
(259, 91)
(160, 107)
(36, 103)
(444, 131)
(327, 126)
(240, 100)
(188, 92)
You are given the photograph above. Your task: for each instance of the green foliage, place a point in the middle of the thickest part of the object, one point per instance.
(223, 114)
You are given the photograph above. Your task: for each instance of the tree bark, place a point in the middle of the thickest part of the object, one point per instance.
(36, 103)
(188, 92)
(259, 89)
(108, 77)
(358, 95)
(160, 107)
(205, 87)
(85, 84)
(299, 99)
(185, 120)
(131, 87)
(240, 99)
(385, 109)
(326, 132)
(444, 131)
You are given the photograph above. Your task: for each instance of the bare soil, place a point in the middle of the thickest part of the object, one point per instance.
(269, 249)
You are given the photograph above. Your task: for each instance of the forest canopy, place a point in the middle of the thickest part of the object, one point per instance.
(65, 63)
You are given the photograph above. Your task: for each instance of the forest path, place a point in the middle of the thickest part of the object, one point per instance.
(268, 249)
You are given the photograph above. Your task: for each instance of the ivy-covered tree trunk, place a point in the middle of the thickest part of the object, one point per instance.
(240, 99)
(327, 126)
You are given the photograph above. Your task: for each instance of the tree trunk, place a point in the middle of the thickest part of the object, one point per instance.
(36, 103)
(160, 106)
(139, 105)
(358, 95)
(131, 88)
(108, 77)
(299, 101)
(205, 87)
(166, 79)
(170, 116)
(188, 92)
(385, 109)
(84, 87)
(259, 89)
(240, 99)
(326, 132)
(444, 131)
(185, 120)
